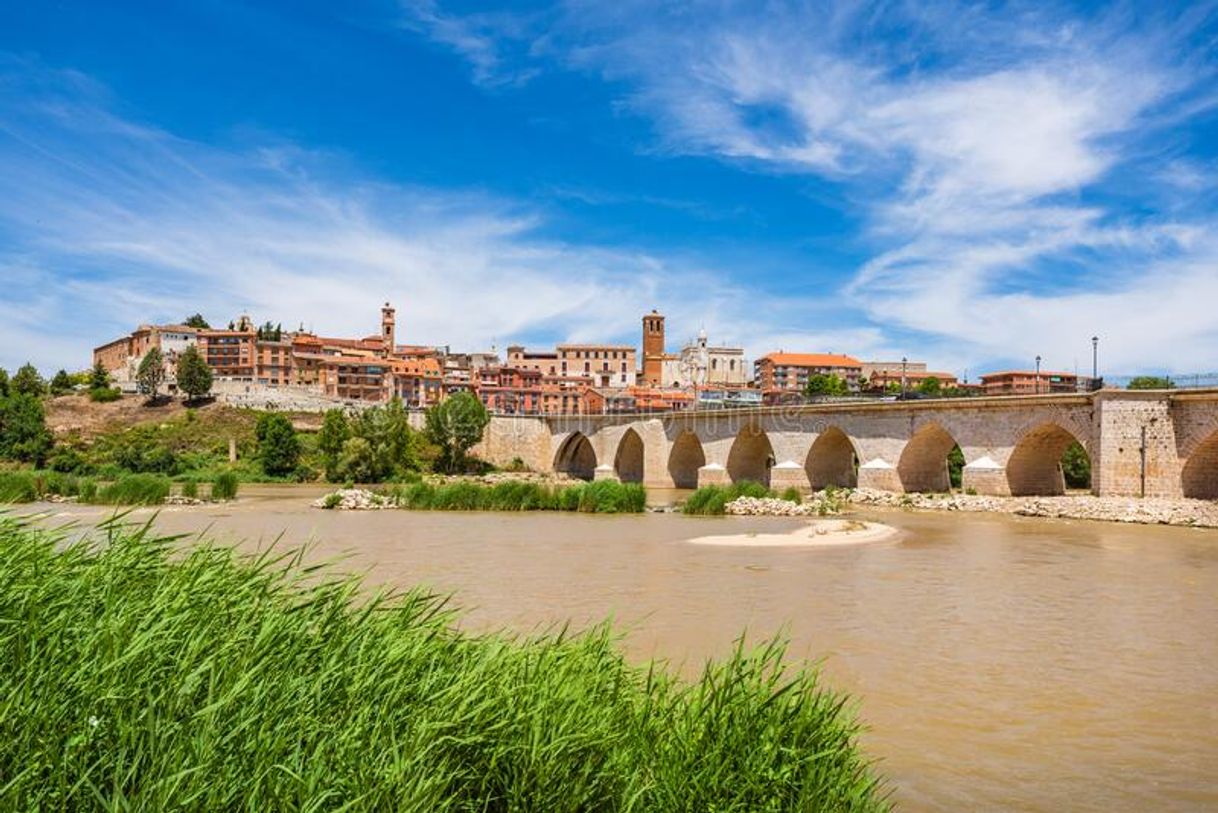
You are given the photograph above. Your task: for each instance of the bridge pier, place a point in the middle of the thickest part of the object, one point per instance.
(879, 474)
(984, 476)
(789, 474)
(713, 474)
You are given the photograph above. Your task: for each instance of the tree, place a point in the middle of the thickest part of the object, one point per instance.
(931, 387)
(821, 384)
(278, 446)
(358, 461)
(334, 433)
(3, 383)
(196, 321)
(151, 373)
(23, 429)
(61, 383)
(99, 379)
(28, 382)
(194, 376)
(955, 467)
(1150, 382)
(456, 424)
(1076, 466)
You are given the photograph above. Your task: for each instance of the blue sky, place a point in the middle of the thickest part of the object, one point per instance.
(971, 184)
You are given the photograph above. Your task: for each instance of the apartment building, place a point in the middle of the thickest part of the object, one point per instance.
(1028, 382)
(877, 376)
(789, 372)
(122, 356)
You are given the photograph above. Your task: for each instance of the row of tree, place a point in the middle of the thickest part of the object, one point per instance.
(194, 376)
(828, 384)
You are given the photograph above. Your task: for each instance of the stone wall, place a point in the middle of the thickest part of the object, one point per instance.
(1010, 445)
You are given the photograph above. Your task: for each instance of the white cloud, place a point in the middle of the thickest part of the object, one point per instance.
(977, 145)
(109, 223)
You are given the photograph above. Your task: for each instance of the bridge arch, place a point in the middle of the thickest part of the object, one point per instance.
(1200, 476)
(1035, 464)
(832, 460)
(684, 460)
(751, 456)
(628, 462)
(576, 457)
(923, 465)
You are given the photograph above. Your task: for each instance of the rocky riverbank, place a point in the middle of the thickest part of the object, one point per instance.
(820, 505)
(1147, 511)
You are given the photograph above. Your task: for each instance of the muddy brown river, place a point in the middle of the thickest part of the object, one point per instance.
(1001, 663)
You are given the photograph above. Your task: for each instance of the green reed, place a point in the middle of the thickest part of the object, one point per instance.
(603, 497)
(140, 674)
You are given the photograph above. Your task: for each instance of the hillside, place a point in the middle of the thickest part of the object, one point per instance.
(77, 415)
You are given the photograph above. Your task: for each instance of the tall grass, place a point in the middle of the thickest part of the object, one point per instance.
(710, 500)
(136, 680)
(135, 489)
(225, 486)
(603, 497)
(28, 485)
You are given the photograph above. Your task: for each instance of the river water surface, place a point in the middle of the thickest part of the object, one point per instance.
(1001, 663)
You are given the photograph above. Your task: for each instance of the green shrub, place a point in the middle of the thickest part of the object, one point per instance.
(104, 395)
(606, 497)
(332, 500)
(168, 678)
(190, 488)
(225, 486)
(18, 487)
(711, 500)
(792, 494)
(88, 490)
(135, 489)
(415, 496)
(611, 497)
(458, 496)
(28, 485)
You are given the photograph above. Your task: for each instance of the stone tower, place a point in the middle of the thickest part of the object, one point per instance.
(653, 348)
(387, 331)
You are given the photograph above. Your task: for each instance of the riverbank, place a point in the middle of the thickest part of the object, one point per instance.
(1143, 511)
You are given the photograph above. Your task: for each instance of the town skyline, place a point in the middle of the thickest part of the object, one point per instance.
(976, 185)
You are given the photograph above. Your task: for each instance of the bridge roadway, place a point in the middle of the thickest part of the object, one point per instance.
(1149, 443)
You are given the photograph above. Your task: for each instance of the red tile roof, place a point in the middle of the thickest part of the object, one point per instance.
(812, 360)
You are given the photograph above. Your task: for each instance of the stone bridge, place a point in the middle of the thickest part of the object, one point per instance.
(1155, 443)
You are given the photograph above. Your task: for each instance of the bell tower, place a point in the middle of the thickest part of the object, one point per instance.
(653, 348)
(387, 330)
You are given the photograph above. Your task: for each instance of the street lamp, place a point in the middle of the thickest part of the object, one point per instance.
(1095, 361)
(1038, 375)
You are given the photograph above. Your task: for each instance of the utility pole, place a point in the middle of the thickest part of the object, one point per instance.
(1095, 361)
(904, 362)
(1038, 375)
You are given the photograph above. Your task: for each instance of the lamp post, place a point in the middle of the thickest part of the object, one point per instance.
(1038, 375)
(904, 362)
(1095, 361)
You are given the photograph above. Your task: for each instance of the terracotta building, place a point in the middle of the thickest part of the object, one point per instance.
(1028, 382)
(122, 356)
(789, 372)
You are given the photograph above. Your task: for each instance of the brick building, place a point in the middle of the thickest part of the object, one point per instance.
(1028, 382)
(789, 372)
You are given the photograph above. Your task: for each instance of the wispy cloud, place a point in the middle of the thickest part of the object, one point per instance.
(106, 222)
(491, 43)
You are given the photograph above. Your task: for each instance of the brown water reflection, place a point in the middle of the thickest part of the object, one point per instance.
(1002, 662)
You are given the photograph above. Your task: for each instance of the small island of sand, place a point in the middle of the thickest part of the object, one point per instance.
(818, 533)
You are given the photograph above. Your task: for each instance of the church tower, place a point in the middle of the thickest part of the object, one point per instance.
(387, 330)
(653, 348)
